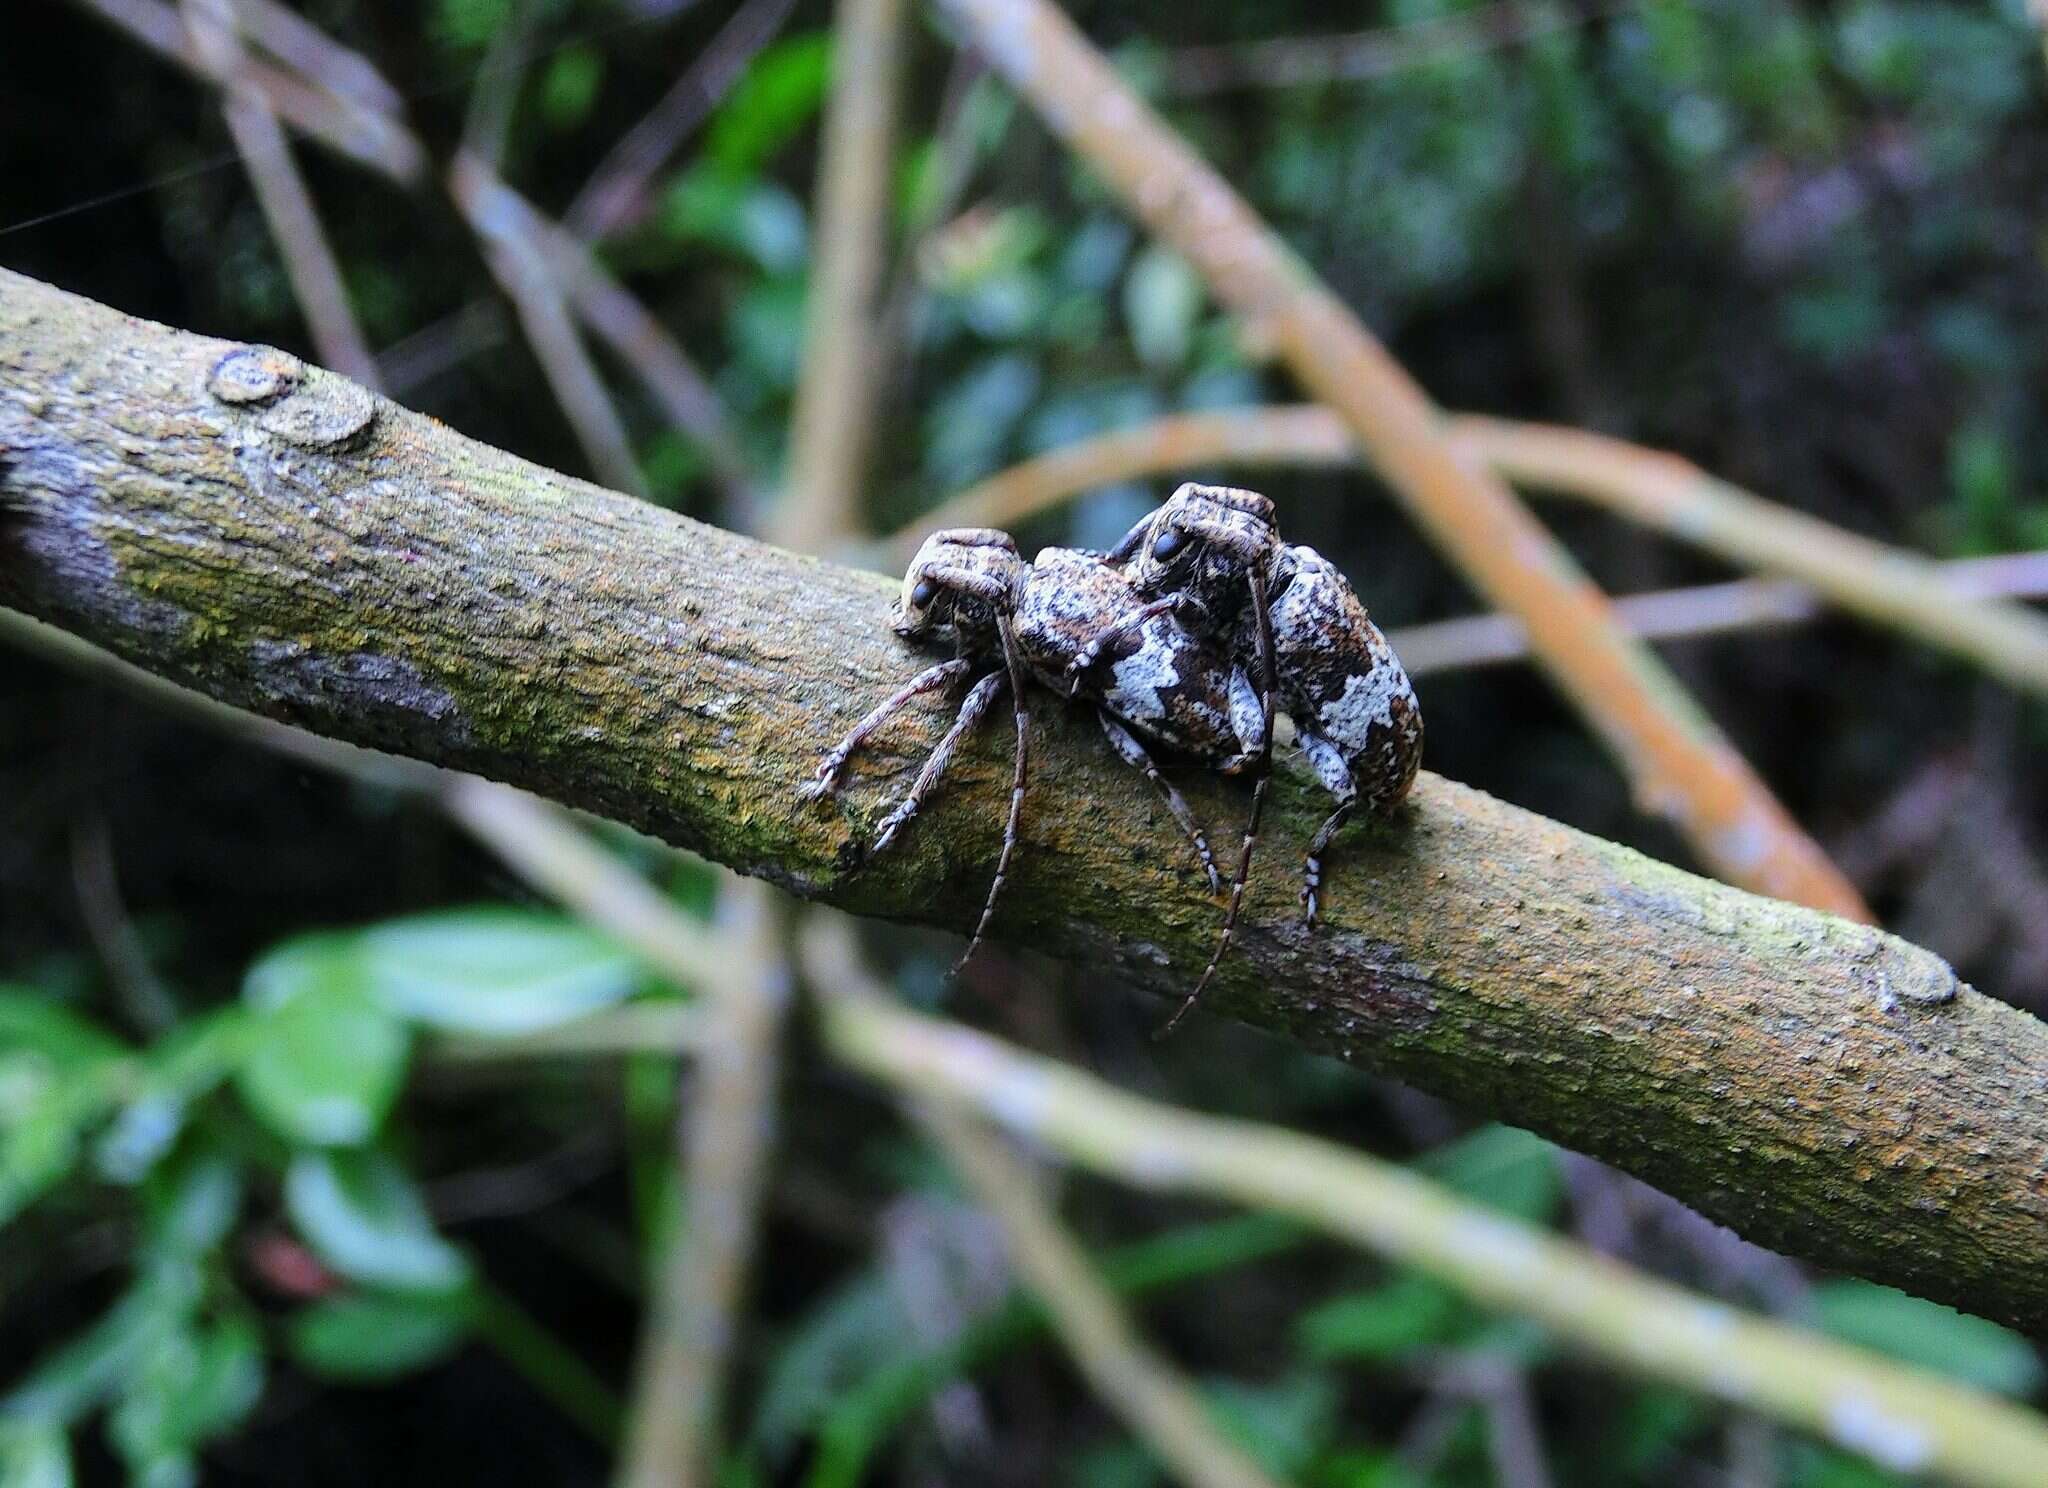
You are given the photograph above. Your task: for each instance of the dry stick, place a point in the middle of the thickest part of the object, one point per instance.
(287, 36)
(1708, 609)
(287, 205)
(1902, 1418)
(1162, 1409)
(618, 191)
(639, 339)
(494, 93)
(1889, 586)
(339, 122)
(1679, 763)
(1291, 61)
(520, 265)
(271, 533)
(832, 421)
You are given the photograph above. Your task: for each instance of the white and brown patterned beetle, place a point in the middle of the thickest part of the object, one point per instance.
(1354, 709)
(1155, 680)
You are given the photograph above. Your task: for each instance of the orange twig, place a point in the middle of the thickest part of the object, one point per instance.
(1889, 586)
(1679, 762)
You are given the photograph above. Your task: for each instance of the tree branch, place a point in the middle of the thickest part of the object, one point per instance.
(285, 542)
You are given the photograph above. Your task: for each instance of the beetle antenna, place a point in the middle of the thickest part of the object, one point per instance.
(1021, 711)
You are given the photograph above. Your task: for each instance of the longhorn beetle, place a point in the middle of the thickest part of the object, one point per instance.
(1354, 709)
(1154, 677)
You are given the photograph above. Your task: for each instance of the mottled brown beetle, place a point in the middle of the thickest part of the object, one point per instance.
(1155, 677)
(1215, 553)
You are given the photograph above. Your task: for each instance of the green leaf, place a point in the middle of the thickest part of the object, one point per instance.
(710, 204)
(191, 1208)
(187, 1063)
(325, 1056)
(1934, 1337)
(194, 1385)
(782, 88)
(1502, 1167)
(1361, 1467)
(469, 24)
(495, 970)
(1162, 300)
(52, 1094)
(570, 85)
(1406, 1314)
(377, 1335)
(847, 1336)
(363, 1216)
(89, 1367)
(1284, 1424)
(30, 1020)
(34, 1457)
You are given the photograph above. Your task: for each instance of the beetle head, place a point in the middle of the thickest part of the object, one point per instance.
(956, 586)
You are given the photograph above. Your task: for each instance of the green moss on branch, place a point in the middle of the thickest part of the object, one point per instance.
(280, 540)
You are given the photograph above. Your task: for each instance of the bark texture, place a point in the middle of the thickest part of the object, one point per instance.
(280, 539)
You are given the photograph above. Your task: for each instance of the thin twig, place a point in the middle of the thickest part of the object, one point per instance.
(639, 339)
(727, 1131)
(1889, 586)
(309, 261)
(617, 193)
(363, 134)
(832, 422)
(1293, 61)
(520, 265)
(1680, 764)
(112, 931)
(494, 95)
(954, 145)
(635, 1028)
(1708, 609)
(289, 37)
(1161, 1407)
(1904, 1419)
(443, 345)
(610, 311)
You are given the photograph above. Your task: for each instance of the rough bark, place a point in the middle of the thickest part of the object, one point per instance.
(282, 540)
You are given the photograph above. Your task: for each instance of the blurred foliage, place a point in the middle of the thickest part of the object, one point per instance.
(1801, 242)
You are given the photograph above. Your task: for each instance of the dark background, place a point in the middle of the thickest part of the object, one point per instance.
(1802, 245)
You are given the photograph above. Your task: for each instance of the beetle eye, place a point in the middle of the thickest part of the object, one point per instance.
(1170, 542)
(924, 593)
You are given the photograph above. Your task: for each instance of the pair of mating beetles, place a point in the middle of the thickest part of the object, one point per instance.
(1185, 636)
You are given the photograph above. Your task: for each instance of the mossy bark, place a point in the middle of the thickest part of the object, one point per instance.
(281, 540)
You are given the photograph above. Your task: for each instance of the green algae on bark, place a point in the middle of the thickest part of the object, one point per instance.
(281, 540)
